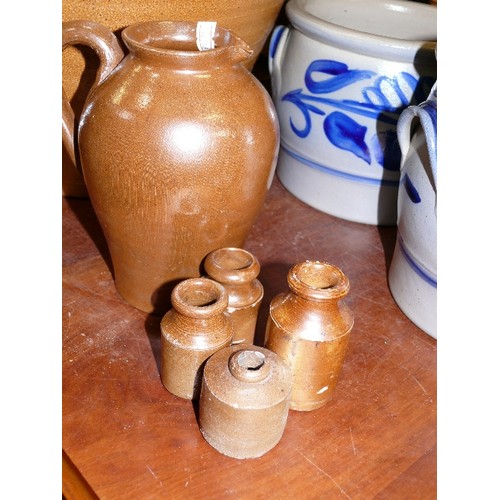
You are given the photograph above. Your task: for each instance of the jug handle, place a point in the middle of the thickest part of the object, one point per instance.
(426, 112)
(277, 45)
(105, 44)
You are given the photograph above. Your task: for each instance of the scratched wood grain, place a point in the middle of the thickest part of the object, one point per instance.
(129, 438)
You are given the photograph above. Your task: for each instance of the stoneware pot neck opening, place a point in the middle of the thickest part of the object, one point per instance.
(249, 365)
(175, 42)
(199, 298)
(232, 266)
(320, 281)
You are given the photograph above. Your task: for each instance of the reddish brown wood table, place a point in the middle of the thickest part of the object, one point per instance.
(127, 437)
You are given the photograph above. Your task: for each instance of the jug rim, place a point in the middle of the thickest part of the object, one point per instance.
(177, 39)
(305, 15)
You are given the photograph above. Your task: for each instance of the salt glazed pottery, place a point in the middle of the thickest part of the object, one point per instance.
(413, 270)
(309, 328)
(341, 74)
(251, 20)
(178, 148)
(244, 402)
(191, 332)
(237, 270)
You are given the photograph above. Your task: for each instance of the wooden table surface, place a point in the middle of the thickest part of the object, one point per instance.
(125, 436)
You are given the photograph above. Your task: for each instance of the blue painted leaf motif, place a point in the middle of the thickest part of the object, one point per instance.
(383, 99)
(387, 92)
(411, 190)
(347, 134)
(342, 76)
(297, 97)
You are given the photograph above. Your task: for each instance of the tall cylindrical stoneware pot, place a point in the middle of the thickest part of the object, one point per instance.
(413, 271)
(252, 20)
(178, 148)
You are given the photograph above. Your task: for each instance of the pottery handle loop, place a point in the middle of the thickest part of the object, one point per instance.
(426, 113)
(277, 45)
(105, 44)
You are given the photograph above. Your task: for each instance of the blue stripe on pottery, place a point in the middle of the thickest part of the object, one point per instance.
(410, 189)
(339, 173)
(431, 280)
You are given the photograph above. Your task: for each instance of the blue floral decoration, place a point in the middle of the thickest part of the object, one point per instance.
(343, 130)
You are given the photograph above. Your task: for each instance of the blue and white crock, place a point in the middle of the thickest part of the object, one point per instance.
(413, 270)
(341, 74)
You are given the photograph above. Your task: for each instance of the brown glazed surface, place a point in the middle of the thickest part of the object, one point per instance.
(178, 148)
(309, 327)
(237, 269)
(191, 332)
(252, 20)
(244, 402)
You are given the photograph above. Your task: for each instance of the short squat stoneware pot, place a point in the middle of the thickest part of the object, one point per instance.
(191, 332)
(178, 146)
(341, 74)
(251, 20)
(237, 270)
(309, 328)
(244, 402)
(413, 270)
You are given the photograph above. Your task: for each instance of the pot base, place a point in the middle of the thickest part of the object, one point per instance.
(414, 290)
(336, 193)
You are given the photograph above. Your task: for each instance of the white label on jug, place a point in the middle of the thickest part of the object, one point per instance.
(205, 31)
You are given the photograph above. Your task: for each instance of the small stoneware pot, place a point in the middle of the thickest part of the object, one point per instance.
(309, 328)
(341, 74)
(191, 332)
(413, 270)
(244, 402)
(237, 270)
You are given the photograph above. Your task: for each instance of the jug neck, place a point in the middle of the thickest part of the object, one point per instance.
(174, 43)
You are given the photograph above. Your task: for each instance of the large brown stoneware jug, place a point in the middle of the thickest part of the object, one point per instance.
(178, 148)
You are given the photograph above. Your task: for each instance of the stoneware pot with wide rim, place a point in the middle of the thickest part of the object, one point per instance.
(413, 271)
(178, 148)
(252, 20)
(341, 74)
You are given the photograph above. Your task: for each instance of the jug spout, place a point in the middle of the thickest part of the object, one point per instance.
(241, 51)
(238, 50)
